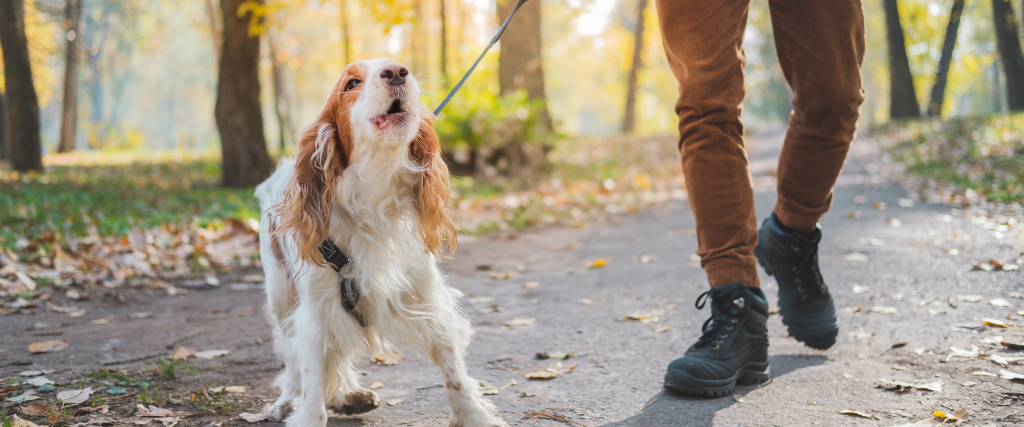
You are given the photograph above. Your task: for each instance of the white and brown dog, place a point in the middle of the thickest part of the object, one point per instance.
(368, 176)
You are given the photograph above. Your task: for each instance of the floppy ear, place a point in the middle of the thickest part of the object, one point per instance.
(307, 205)
(433, 192)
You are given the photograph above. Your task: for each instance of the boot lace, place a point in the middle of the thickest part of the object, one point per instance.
(804, 266)
(725, 317)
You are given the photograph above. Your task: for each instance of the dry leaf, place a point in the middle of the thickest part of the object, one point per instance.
(25, 280)
(395, 402)
(883, 310)
(19, 422)
(152, 411)
(74, 397)
(857, 413)
(252, 418)
(661, 329)
(39, 381)
(878, 205)
(587, 301)
(24, 397)
(387, 359)
(228, 389)
(856, 257)
(739, 399)
(647, 259)
(47, 346)
(969, 298)
(858, 289)
(1000, 302)
(994, 323)
(211, 354)
(376, 385)
(1010, 375)
(643, 317)
(503, 276)
(182, 353)
(531, 285)
(34, 409)
(518, 321)
(488, 389)
(974, 352)
(598, 263)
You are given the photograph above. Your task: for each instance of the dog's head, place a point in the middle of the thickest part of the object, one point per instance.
(374, 106)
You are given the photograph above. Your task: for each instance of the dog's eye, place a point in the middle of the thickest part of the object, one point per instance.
(352, 84)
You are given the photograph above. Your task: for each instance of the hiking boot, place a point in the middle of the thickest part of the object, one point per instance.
(804, 300)
(733, 348)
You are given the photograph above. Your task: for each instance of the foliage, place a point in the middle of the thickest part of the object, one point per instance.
(169, 368)
(477, 118)
(983, 154)
(79, 196)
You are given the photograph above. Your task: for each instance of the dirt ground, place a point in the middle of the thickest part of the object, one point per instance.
(902, 278)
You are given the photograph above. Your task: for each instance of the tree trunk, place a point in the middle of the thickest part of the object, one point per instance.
(419, 39)
(444, 45)
(942, 72)
(3, 126)
(1010, 52)
(211, 16)
(69, 108)
(902, 97)
(239, 120)
(629, 119)
(23, 105)
(345, 40)
(282, 105)
(519, 63)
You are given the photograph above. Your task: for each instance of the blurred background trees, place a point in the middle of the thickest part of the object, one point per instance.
(153, 76)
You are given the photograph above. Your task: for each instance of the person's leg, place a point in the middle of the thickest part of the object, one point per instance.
(703, 42)
(820, 47)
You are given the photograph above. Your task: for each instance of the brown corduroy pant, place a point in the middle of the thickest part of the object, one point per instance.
(820, 47)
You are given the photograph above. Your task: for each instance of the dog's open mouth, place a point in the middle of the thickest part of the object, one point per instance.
(395, 114)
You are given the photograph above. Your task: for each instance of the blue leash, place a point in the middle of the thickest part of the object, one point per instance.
(466, 76)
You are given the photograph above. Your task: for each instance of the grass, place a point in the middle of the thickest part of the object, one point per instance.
(981, 154)
(77, 197)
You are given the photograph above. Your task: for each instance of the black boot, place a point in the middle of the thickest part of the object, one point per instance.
(733, 349)
(804, 300)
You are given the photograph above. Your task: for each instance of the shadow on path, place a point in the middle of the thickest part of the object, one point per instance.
(670, 409)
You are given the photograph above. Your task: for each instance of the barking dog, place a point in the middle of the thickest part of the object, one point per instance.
(368, 176)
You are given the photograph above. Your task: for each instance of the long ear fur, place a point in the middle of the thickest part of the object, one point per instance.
(433, 192)
(307, 205)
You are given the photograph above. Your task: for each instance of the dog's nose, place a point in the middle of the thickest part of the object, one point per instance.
(394, 74)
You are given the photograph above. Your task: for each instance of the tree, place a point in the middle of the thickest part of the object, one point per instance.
(3, 126)
(1008, 43)
(444, 44)
(282, 103)
(902, 96)
(69, 108)
(942, 71)
(25, 146)
(519, 63)
(629, 119)
(239, 119)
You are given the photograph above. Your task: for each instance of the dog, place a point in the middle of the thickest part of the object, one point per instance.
(368, 177)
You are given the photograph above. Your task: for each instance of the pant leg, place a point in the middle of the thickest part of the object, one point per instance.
(703, 41)
(820, 45)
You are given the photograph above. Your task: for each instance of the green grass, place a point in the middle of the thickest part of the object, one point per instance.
(983, 154)
(112, 199)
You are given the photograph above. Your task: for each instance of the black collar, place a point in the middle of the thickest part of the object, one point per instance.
(333, 255)
(349, 289)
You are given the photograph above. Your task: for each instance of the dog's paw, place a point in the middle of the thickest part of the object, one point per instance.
(356, 402)
(279, 412)
(488, 417)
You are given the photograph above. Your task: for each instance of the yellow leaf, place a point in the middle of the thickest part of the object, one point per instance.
(598, 263)
(389, 359)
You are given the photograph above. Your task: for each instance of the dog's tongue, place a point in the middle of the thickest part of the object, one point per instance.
(380, 120)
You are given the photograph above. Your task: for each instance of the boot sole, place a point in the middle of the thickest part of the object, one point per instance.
(796, 333)
(751, 373)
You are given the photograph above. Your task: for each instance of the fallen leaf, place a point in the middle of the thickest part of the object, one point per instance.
(387, 359)
(531, 285)
(739, 399)
(503, 276)
(992, 340)
(34, 409)
(536, 415)
(152, 411)
(376, 385)
(994, 323)
(858, 289)
(878, 205)
(852, 214)
(211, 354)
(39, 381)
(969, 298)
(661, 329)
(560, 355)
(857, 413)
(252, 418)
(982, 374)
(856, 257)
(74, 397)
(73, 294)
(643, 317)
(969, 384)
(1005, 361)
(518, 321)
(480, 300)
(394, 402)
(883, 310)
(587, 301)
(647, 259)
(905, 202)
(30, 373)
(182, 353)
(1000, 302)
(116, 391)
(17, 421)
(973, 352)
(1010, 375)
(228, 389)
(903, 387)
(542, 375)
(25, 280)
(488, 389)
(1012, 345)
(942, 415)
(598, 263)
(24, 397)
(860, 334)
(47, 346)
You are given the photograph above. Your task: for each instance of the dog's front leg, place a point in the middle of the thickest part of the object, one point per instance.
(312, 354)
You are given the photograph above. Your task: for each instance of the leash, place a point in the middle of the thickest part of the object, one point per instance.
(458, 86)
(334, 256)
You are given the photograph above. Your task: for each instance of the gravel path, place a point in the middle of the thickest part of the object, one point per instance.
(898, 299)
